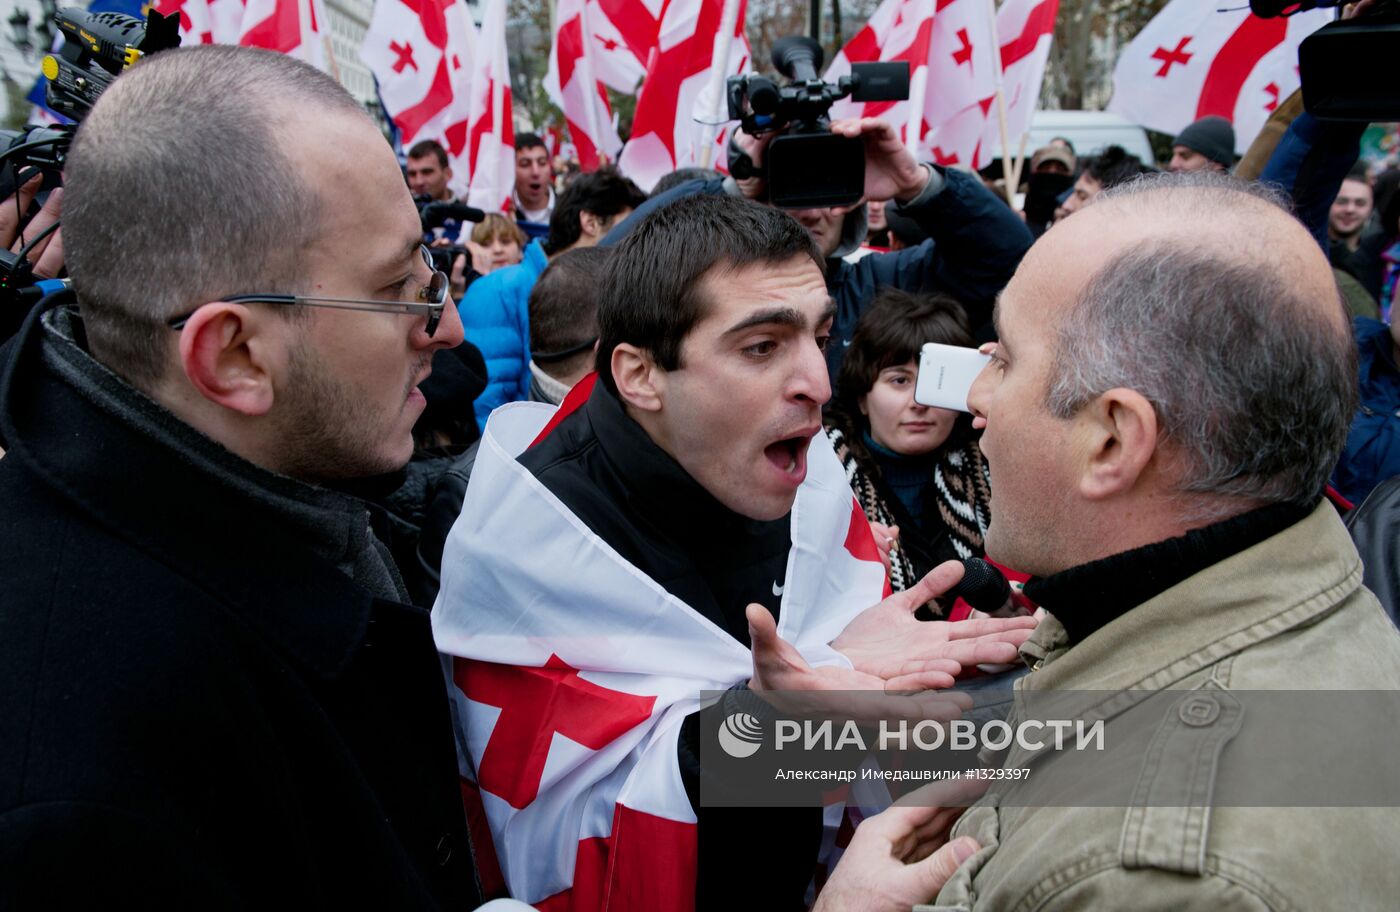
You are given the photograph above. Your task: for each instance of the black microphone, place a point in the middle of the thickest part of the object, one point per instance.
(983, 586)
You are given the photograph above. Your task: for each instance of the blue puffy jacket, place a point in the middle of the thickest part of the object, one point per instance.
(496, 318)
(1372, 453)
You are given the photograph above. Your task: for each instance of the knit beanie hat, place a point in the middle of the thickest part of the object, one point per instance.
(1213, 137)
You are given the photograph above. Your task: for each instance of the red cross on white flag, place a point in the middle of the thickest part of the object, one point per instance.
(196, 21)
(677, 111)
(952, 67)
(293, 27)
(490, 135)
(575, 672)
(1192, 61)
(421, 54)
(575, 85)
(622, 34)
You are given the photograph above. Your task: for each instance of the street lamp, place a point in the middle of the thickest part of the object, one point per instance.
(42, 36)
(19, 31)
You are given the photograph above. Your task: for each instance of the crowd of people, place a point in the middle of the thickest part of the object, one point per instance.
(343, 572)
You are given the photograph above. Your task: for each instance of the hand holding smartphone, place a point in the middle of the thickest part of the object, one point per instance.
(946, 374)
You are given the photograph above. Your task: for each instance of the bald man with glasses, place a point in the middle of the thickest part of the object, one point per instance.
(217, 693)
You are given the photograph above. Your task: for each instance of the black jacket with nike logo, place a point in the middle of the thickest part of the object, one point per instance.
(638, 499)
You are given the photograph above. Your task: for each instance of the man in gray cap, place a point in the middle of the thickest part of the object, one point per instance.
(1206, 145)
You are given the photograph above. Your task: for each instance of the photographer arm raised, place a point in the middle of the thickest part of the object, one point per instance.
(977, 239)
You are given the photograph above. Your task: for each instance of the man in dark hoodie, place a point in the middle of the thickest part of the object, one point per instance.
(975, 240)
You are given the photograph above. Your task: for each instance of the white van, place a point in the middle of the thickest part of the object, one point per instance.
(1089, 131)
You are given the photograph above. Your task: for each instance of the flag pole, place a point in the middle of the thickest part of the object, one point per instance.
(1006, 175)
(314, 7)
(1020, 160)
(719, 68)
(590, 79)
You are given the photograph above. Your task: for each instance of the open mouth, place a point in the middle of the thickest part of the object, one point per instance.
(789, 456)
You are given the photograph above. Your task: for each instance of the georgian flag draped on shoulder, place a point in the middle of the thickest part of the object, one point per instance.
(292, 27)
(421, 53)
(574, 85)
(490, 134)
(1192, 61)
(952, 74)
(574, 671)
(681, 109)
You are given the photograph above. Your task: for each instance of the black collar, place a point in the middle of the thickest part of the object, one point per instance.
(238, 549)
(658, 488)
(1089, 596)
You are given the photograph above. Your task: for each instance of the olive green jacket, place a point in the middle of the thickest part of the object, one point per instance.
(1287, 614)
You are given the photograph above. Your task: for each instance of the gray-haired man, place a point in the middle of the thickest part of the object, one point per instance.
(1173, 383)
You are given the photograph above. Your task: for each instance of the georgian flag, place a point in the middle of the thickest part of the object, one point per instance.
(421, 54)
(490, 135)
(621, 34)
(290, 26)
(196, 20)
(952, 74)
(1025, 30)
(574, 85)
(226, 20)
(575, 670)
(682, 107)
(1192, 61)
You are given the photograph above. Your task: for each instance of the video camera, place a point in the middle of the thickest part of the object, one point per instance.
(806, 165)
(97, 47)
(1346, 67)
(435, 214)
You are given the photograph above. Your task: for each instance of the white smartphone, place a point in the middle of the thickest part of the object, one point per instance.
(946, 373)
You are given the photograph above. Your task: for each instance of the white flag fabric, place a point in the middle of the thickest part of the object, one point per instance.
(952, 74)
(677, 117)
(490, 133)
(622, 35)
(292, 27)
(196, 20)
(1192, 61)
(574, 85)
(575, 669)
(226, 20)
(421, 54)
(1025, 30)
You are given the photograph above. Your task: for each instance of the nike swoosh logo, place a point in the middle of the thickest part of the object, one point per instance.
(847, 343)
(777, 590)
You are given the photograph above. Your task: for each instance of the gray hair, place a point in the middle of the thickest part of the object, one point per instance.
(180, 190)
(1254, 385)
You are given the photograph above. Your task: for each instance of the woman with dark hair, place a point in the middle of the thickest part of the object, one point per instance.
(910, 465)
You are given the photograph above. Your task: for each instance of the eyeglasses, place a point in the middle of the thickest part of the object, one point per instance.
(431, 300)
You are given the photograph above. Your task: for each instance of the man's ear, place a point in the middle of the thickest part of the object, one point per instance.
(640, 382)
(591, 225)
(1120, 434)
(229, 355)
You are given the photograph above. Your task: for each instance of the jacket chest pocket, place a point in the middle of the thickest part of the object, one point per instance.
(983, 823)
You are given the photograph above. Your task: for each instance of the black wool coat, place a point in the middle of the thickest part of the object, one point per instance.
(198, 711)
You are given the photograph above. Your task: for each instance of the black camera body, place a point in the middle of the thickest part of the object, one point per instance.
(97, 47)
(1346, 67)
(806, 165)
